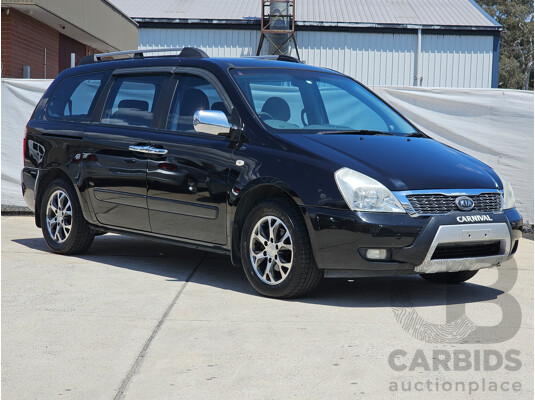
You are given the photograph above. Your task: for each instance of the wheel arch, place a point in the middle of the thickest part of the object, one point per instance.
(45, 178)
(248, 198)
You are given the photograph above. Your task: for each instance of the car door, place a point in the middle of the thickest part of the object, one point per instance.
(115, 158)
(187, 187)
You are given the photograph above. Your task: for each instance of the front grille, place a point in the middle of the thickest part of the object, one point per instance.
(466, 250)
(426, 204)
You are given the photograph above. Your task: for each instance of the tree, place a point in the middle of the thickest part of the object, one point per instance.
(516, 43)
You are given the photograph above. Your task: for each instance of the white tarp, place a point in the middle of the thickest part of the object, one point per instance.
(19, 98)
(493, 125)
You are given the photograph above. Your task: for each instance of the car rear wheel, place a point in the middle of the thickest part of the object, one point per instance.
(64, 228)
(276, 252)
(449, 277)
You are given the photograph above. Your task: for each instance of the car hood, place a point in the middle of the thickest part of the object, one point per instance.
(400, 163)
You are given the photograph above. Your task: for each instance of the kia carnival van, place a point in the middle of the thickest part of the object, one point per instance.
(295, 172)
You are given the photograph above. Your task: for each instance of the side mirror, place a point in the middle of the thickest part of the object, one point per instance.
(212, 122)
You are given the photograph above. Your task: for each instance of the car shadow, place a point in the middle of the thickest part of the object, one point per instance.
(176, 263)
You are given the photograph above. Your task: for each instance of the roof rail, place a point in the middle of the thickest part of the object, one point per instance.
(280, 57)
(185, 52)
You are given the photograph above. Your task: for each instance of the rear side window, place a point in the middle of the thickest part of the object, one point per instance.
(132, 100)
(75, 96)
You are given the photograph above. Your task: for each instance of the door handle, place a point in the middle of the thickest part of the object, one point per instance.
(139, 149)
(148, 150)
(157, 151)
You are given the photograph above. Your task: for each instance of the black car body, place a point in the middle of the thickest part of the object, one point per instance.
(135, 166)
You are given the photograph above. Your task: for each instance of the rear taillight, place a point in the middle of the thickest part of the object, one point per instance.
(25, 147)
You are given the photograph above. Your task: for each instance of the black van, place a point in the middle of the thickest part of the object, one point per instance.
(296, 172)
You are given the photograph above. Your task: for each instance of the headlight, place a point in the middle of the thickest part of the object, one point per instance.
(508, 194)
(363, 193)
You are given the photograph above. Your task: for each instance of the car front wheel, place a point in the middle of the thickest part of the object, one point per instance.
(276, 252)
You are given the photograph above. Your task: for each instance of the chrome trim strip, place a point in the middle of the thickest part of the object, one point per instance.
(472, 233)
(402, 197)
(449, 192)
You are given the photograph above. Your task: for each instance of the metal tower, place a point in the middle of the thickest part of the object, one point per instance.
(278, 27)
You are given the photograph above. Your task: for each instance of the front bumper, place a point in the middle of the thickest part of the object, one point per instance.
(340, 237)
(456, 235)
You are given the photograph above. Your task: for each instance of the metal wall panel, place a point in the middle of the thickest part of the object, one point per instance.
(375, 59)
(215, 42)
(372, 58)
(457, 61)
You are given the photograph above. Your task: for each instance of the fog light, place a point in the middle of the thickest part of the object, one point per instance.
(376, 254)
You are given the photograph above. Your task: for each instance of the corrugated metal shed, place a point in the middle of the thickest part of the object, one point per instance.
(376, 59)
(439, 13)
(432, 43)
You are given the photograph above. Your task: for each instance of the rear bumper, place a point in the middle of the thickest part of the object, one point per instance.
(28, 183)
(340, 238)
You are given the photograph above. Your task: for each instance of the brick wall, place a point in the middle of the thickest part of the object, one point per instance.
(67, 46)
(24, 40)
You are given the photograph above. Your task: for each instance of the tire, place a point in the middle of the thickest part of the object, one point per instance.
(64, 228)
(449, 277)
(293, 271)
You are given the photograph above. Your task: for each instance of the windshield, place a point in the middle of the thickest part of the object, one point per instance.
(295, 101)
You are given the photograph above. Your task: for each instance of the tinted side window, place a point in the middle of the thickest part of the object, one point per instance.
(132, 100)
(75, 97)
(193, 93)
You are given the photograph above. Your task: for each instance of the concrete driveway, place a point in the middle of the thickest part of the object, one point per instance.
(137, 319)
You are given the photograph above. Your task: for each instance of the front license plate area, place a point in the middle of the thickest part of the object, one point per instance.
(476, 234)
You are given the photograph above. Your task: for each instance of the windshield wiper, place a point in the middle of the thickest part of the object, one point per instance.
(416, 134)
(355, 132)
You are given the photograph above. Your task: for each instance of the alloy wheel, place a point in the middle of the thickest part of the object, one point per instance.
(59, 216)
(271, 250)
